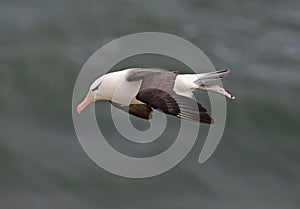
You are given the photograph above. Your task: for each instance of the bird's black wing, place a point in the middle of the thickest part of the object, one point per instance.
(157, 91)
(174, 104)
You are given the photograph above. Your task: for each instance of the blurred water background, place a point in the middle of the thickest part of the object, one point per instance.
(44, 44)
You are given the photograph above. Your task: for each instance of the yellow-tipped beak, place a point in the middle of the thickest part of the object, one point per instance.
(88, 99)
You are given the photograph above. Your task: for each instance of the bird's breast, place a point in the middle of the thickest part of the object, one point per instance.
(119, 90)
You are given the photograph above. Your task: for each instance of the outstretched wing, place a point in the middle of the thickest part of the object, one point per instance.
(153, 78)
(174, 104)
(157, 91)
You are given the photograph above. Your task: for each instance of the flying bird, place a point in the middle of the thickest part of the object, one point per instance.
(138, 91)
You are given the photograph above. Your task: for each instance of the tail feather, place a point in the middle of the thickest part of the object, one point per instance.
(191, 82)
(205, 77)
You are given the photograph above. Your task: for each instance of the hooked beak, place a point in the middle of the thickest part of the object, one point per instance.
(88, 99)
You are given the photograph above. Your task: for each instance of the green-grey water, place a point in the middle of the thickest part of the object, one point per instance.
(44, 44)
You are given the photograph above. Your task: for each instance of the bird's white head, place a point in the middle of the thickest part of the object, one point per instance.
(93, 95)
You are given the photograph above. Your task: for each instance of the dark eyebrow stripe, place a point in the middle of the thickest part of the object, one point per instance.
(96, 86)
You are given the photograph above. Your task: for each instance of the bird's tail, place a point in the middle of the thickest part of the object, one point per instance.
(206, 77)
(217, 89)
(201, 81)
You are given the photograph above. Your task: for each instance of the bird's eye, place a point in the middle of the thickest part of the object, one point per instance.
(96, 87)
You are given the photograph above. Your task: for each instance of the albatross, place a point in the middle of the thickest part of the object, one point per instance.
(138, 91)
